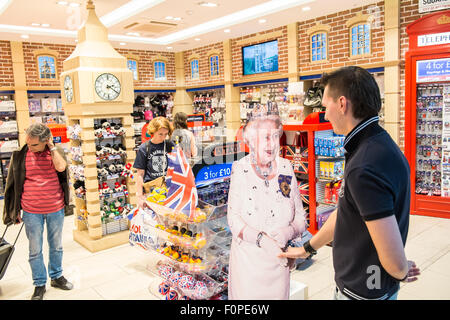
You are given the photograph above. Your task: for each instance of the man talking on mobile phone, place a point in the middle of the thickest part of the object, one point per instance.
(37, 184)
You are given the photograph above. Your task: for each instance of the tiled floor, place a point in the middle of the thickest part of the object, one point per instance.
(120, 273)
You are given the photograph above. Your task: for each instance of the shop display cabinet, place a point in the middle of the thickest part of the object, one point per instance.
(190, 254)
(307, 168)
(427, 115)
(8, 135)
(191, 257)
(147, 105)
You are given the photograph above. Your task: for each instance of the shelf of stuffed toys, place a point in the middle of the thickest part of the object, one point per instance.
(101, 175)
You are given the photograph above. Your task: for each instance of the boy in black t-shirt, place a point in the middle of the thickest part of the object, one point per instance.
(151, 159)
(370, 225)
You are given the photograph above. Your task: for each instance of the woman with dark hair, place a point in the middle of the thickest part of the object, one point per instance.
(182, 136)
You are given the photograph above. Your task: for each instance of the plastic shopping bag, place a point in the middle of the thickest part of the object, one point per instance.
(142, 220)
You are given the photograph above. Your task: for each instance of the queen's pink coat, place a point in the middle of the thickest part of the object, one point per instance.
(254, 274)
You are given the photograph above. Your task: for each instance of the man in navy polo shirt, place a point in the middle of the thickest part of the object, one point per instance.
(370, 225)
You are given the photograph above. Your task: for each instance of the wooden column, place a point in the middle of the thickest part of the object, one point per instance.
(20, 88)
(182, 100)
(232, 99)
(392, 68)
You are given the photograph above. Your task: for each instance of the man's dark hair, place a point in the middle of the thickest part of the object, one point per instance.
(358, 86)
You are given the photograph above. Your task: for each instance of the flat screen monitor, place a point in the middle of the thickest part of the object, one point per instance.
(260, 58)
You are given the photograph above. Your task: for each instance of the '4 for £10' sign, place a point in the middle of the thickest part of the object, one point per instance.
(433, 70)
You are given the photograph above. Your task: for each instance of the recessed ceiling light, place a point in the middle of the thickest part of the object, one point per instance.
(74, 4)
(45, 25)
(169, 17)
(129, 9)
(177, 19)
(197, 39)
(34, 24)
(133, 34)
(207, 4)
(122, 43)
(25, 36)
(306, 8)
(227, 30)
(262, 20)
(62, 3)
(169, 48)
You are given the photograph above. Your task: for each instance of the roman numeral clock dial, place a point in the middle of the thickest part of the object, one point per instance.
(68, 88)
(107, 86)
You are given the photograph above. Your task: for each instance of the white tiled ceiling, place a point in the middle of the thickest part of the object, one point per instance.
(23, 13)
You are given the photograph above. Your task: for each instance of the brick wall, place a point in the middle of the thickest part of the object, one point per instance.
(145, 64)
(203, 65)
(146, 68)
(338, 40)
(6, 69)
(282, 54)
(30, 60)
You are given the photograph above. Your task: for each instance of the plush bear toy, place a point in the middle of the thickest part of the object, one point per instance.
(112, 168)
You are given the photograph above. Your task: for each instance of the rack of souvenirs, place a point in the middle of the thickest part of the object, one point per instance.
(187, 234)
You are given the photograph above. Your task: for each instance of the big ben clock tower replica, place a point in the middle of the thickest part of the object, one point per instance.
(98, 96)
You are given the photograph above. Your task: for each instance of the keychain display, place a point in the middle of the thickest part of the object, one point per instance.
(429, 139)
(445, 126)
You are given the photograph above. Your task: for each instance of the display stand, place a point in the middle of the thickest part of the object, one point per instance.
(210, 101)
(97, 87)
(313, 126)
(427, 115)
(261, 93)
(149, 104)
(8, 136)
(190, 253)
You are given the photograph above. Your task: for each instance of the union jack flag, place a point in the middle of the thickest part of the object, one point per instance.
(180, 181)
(303, 187)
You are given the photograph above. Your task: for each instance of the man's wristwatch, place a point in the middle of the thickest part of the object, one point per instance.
(53, 149)
(309, 249)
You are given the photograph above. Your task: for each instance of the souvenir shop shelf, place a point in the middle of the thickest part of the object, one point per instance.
(190, 259)
(178, 285)
(45, 106)
(100, 172)
(427, 117)
(112, 172)
(307, 166)
(8, 136)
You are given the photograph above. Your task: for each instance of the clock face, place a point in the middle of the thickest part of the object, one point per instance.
(107, 86)
(68, 88)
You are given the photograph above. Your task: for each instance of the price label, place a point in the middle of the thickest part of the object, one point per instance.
(218, 171)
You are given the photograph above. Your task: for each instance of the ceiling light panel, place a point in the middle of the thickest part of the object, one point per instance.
(255, 12)
(4, 4)
(128, 10)
(207, 4)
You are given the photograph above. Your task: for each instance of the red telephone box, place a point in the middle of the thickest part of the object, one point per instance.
(427, 114)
